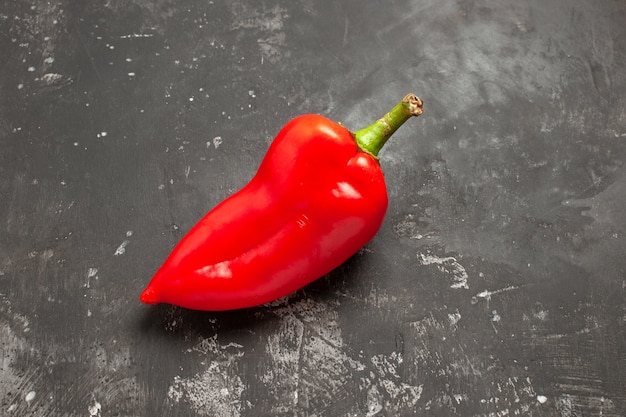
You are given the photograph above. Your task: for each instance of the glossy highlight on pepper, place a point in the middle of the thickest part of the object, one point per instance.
(318, 196)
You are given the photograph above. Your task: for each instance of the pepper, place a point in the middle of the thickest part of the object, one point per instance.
(318, 196)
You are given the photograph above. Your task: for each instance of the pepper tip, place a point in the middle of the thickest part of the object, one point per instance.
(149, 296)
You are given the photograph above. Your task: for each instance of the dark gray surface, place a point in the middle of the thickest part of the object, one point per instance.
(496, 286)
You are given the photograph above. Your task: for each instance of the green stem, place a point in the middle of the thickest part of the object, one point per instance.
(372, 138)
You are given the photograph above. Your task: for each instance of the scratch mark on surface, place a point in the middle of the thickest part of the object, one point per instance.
(487, 294)
(137, 35)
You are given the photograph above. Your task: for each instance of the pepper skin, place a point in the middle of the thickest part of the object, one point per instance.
(318, 196)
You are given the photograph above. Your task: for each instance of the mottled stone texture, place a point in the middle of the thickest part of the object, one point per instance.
(496, 286)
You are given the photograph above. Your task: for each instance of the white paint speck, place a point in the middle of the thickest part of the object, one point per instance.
(92, 272)
(449, 265)
(121, 249)
(459, 398)
(217, 141)
(20, 86)
(495, 317)
(541, 315)
(94, 409)
(374, 401)
(454, 318)
(542, 399)
(131, 74)
(31, 69)
(30, 396)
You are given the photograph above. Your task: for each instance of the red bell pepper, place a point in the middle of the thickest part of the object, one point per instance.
(318, 197)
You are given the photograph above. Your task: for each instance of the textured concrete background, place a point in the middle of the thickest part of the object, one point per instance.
(496, 286)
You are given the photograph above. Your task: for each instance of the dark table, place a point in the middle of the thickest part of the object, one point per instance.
(495, 287)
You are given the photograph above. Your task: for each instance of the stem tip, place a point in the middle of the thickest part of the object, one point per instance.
(372, 138)
(414, 104)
